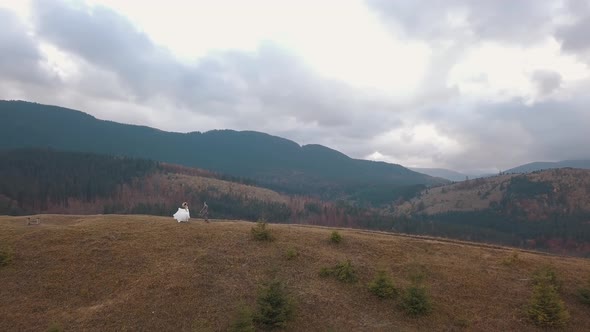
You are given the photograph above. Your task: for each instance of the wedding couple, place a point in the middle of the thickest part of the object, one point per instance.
(183, 214)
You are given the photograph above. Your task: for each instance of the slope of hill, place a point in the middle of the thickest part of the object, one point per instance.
(537, 166)
(273, 162)
(545, 209)
(91, 273)
(441, 173)
(49, 181)
(538, 195)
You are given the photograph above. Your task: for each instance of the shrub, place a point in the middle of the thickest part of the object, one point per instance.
(275, 307)
(261, 232)
(244, 321)
(546, 308)
(291, 253)
(546, 274)
(335, 237)
(416, 301)
(343, 271)
(5, 257)
(512, 259)
(382, 286)
(584, 295)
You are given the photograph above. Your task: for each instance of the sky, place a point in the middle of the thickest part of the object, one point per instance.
(481, 85)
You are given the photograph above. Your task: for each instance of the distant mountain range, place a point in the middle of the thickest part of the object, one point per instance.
(526, 168)
(271, 161)
(537, 166)
(441, 173)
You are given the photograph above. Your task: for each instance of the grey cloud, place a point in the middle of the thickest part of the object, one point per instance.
(574, 37)
(522, 21)
(560, 130)
(104, 38)
(491, 134)
(247, 90)
(20, 56)
(229, 83)
(546, 81)
(513, 133)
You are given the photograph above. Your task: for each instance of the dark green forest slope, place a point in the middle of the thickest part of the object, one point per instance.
(272, 161)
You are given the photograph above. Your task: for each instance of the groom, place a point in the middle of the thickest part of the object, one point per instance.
(205, 212)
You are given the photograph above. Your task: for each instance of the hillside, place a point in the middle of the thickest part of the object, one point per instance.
(538, 195)
(547, 210)
(47, 181)
(271, 161)
(537, 166)
(150, 273)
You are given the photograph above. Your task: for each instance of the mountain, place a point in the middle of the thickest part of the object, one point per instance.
(441, 173)
(146, 273)
(271, 161)
(546, 210)
(37, 181)
(537, 166)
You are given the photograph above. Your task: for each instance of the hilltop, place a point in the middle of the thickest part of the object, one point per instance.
(140, 272)
(538, 195)
(545, 210)
(271, 161)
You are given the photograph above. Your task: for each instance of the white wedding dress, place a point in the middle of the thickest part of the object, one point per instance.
(182, 215)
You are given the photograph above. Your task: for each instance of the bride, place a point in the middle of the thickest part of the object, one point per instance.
(182, 214)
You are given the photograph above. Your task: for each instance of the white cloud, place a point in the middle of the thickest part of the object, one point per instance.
(339, 39)
(496, 72)
(414, 145)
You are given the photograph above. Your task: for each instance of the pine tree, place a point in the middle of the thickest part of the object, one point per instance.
(275, 307)
(382, 286)
(546, 308)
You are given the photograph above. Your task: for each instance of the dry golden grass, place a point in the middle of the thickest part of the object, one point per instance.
(144, 273)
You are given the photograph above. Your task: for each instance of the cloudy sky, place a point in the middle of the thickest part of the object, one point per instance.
(466, 85)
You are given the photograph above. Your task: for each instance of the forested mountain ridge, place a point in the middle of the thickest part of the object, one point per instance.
(272, 161)
(538, 195)
(47, 181)
(547, 210)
